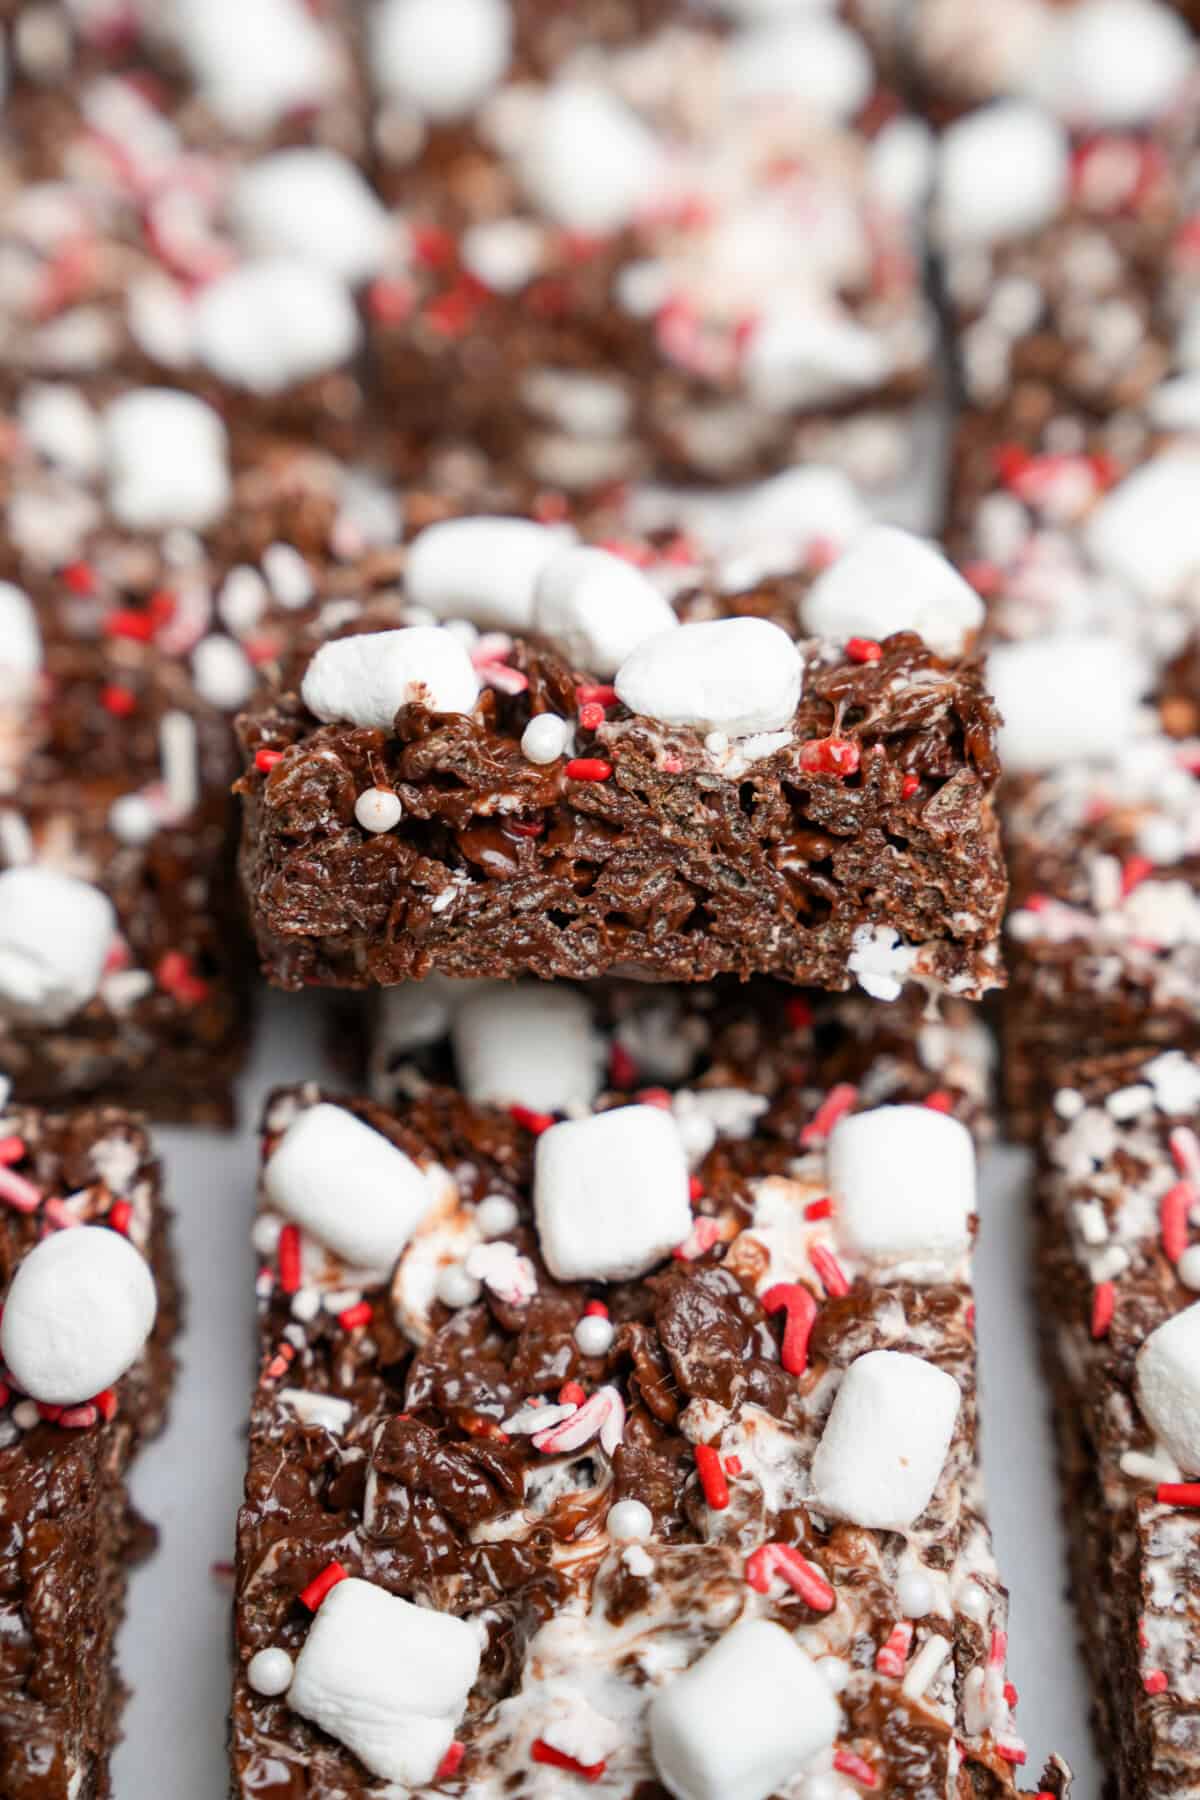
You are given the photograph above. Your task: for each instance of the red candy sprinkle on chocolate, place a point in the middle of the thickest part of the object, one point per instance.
(712, 1477)
(322, 1585)
(588, 768)
(794, 1299)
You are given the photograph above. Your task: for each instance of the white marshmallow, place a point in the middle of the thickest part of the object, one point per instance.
(255, 60)
(55, 933)
(441, 57)
(813, 62)
(738, 676)
(1063, 698)
(315, 205)
(271, 324)
(598, 607)
(743, 1720)
(800, 359)
(1168, 1386)
(891, 580)
(20, 643)
(591, 164)
(355, 1192)
(885, 1442)
(416, 1013)
(168, 461)
(484, 570)
(1003, 172)
(388, 1679)
(366, 679)
(1110, 64)
(77, 1315)
(532, 1045)
(61, 426)
(903, 1182)
(610, 1194)
(1146, 531)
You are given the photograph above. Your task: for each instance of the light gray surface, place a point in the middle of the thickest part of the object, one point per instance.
(174, 1647)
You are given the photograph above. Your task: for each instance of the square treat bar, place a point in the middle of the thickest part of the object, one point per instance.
(620, 790)
(122, 971)
(588, 1394)
(90, 1309)
(670, 253)
(1117, 1273)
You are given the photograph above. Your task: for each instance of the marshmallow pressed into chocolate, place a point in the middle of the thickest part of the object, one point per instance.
(884, 1444)
(611, 1194)
(738, 676)
(887, 581)
(903, 1183)
(77, 1315)
(355, 1192)
(366, 680)
(55, 933)
(530, 1045)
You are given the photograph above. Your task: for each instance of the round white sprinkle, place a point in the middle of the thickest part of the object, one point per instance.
(377, 809)
(1188, 1268)
(269, 1672)
(25, 1414)
(594, 1335)
(975, 1601)
(306, 1304)
(266, 1233)
(132, 820)
(914, 1591)
(495, 1215)
(456, 1288)
(545, 738)
(629, 1520)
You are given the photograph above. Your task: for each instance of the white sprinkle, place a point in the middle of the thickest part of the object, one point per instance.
(131, 819)
(1068, 1104)
(545, 738)
(924, 1666)
(1188, 1268)
(269, 1672)
(495, 1215)
(326, 1410)
(177, 748)
(455, 1287)
(629, 1521)
(914, 1591)
(377, 809)
(25, 1414)
(223, 672)
(306, 1304)
(266, 1233)
(1128, 1102)
(594, 1335)
(287, 574)
(1159, 1467)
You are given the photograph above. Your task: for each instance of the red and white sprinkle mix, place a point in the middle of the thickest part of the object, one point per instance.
(783, 1561)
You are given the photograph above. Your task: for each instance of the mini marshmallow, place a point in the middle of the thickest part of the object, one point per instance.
(20, 643)
(347, 1185)
(271, 324)
(885, 1442)
(1146, 531)
(387, 1679)
(591, 164)
(814, 62)
(365, 680)
(1168, 1386)
(1112, 64)
(891, 580)
(168, 461)
(254, 61)
(806, 358)
(1003, 172)
(532, 1045)
(903, 1183)
(55, 933)
(738, 676)
(484, 570)
(610, 1194)
(743, 1720)
(598, 608)
(440, 57)
(77, 1315)
(315, 205)
(1064, 698)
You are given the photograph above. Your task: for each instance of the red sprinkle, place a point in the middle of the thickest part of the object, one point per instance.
(819, 1209)
(352, 1317)
(321, 1585)
(452, 1762)
(119, 701)
(105, 1403)
(695, 1188)
(848, 1762)
(940, 1101)
(289, 1259)
(909, 786)
(537, 1122)
(265, 760)
(51, 1414)
(733, 1465)
(863, 650)
(595, 1309)
(597, 695)
(588, 768)
(834, 1106)
(798, 1014)
(120, 1215)
(1134, 872)
(526, 828)
(785, 1561)
(1173, 1212)
(571, 1394)
(79, 577)
(591, 716)
(830, 756)
(1155, 1682)
(176, 976)
(829, 1270)
(800, 1306)
(622, 1070)
(891, 1656)
(12, 1149)
(125, 622)
(18, 1193)
(542, 1752)
(712, 1477)
(654, 1096)
(1104, 1302)
(1178, 1493)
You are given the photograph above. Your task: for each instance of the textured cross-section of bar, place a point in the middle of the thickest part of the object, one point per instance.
(587, 790)
(1118, 1274)
(69, 1532)
(609, 1471)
